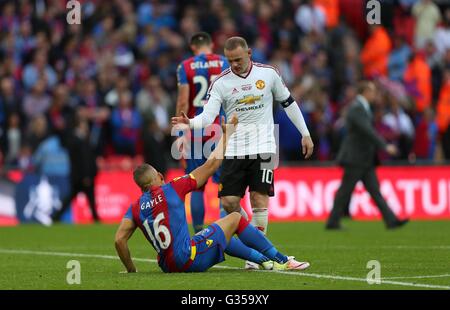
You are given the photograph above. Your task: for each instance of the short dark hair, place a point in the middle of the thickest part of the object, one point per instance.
(235, 42)
(141, 176)
(364, 85)
(200, 39)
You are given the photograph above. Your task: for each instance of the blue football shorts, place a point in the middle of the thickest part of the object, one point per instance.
(210, 244)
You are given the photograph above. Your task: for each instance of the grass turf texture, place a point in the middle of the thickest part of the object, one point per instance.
(418, 249)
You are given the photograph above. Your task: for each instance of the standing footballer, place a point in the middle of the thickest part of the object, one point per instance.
(249, 90)
(194, 77)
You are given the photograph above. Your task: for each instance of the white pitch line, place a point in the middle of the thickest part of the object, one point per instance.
(345, 247)
(301, 274)
(419, 277)
(72, 255)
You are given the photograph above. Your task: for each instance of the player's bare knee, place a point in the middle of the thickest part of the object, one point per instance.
(235, 217)
(258, 200)
(230, 205)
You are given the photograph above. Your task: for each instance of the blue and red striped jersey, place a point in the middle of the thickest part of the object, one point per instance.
(198, 72)
(160, 214)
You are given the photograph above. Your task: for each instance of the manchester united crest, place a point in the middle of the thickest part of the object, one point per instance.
(260, 84)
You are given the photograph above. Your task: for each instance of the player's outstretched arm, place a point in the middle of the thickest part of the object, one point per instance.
(123, 234)
(209, 114)
(205, 171)
(182, 99)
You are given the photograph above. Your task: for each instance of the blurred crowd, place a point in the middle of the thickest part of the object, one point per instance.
(111, 80)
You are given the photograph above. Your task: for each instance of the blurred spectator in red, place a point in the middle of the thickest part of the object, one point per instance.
(426, 136)
(331, 10)
(375, 53)
(353, 13)
(417, 79)
(443, 114)
(403, 22)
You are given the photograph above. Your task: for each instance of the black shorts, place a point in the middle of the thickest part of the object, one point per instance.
(254, 171)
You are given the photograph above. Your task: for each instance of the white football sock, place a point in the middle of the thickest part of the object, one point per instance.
(260, 219)
(243, 213)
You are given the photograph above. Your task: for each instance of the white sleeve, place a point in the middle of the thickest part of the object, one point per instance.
(210, 110)
(282, 95)
(279, 90)
(296, 117)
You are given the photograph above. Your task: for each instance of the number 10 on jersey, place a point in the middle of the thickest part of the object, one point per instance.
(267, 176)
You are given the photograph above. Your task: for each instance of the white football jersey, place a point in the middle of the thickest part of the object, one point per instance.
(251, 97)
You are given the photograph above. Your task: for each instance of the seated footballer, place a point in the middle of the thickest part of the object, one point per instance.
(160, 214)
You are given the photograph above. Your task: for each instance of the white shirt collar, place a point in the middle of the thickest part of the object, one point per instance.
(364, 102)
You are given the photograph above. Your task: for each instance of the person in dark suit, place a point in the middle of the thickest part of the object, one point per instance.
(83, 167)
(357, 156)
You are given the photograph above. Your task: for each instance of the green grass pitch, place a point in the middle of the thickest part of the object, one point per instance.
(414, 257)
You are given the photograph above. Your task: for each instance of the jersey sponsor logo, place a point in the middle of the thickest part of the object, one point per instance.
(249, 99)
(260, 84)
(250, 108)
(209, 242)
(246, 87)
(235, 91)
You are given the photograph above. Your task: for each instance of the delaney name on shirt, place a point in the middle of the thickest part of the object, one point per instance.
(206, 65)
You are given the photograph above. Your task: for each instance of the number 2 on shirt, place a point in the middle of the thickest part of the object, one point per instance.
(200, 79)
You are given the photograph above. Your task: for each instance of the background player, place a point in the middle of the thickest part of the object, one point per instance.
(249, 89)
(160, 214)
(195, 75)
